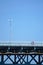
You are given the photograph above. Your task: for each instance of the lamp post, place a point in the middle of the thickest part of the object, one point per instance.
(10, 31)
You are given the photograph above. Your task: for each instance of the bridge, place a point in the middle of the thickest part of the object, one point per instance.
(21, 53)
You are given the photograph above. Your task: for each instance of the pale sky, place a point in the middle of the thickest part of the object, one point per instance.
(27, 20)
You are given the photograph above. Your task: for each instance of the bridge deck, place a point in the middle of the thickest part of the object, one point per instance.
(19, 47)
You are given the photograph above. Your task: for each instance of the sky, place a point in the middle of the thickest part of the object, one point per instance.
(21, 20)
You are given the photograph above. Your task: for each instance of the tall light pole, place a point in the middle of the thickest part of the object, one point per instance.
(10, 27)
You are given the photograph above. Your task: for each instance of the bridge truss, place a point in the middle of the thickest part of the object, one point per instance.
(21, 59)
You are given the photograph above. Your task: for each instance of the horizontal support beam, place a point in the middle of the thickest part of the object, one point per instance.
(21, 43)
(21, 54)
